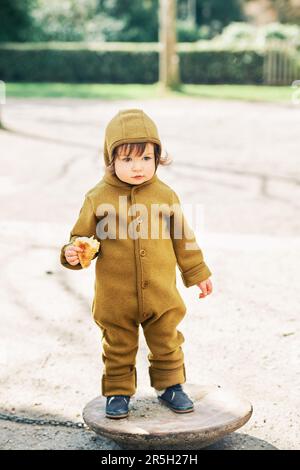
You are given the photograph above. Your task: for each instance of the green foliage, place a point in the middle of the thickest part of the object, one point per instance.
(139, 19)
(221, 66)
(109, 20)
(282, 32)
(16, 22)
(67, 20)
(213, 13)
(43, 63)
(123, 64)
(244, 34)
(187, 32)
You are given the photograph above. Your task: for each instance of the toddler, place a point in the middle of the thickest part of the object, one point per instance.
(135, 270)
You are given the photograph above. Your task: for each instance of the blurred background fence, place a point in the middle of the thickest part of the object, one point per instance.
(281, 63)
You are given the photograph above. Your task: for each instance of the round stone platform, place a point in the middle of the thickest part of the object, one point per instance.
(152, 425)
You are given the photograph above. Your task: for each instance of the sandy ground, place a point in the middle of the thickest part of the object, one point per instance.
(240, 163)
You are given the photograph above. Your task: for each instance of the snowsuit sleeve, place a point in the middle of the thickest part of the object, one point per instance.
(192, 266)
(84, 227)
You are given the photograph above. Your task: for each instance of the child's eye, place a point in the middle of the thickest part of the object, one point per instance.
(127, 159)
(147, 158)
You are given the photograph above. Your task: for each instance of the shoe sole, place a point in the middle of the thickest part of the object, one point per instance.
(117, 416)
(188, 410)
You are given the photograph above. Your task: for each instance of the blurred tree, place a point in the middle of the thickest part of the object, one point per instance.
(204, 12)
(66, 20)
(168, 59)
(16, 22)
(139, 17)
(110, 20)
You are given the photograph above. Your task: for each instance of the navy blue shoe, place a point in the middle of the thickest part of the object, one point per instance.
(117, 406)
(175, 398)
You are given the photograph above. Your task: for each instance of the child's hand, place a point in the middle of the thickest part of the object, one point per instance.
(206, 287)
(71, 254)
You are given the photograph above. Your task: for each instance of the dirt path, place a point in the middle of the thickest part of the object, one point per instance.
(240, 162)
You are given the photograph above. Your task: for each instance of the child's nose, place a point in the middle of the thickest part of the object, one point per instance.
(136, 165)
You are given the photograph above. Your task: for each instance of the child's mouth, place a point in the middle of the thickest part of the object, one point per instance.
(138, 177)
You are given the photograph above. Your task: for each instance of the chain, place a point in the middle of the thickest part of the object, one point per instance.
(41, 422)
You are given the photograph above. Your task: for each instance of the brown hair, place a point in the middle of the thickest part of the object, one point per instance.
(137, 148)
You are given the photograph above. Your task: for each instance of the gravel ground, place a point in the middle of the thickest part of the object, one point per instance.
(239, 162)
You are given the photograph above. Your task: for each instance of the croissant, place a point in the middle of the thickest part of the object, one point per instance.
(90, 247)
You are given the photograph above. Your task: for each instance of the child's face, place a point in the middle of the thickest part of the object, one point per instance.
(128, 168)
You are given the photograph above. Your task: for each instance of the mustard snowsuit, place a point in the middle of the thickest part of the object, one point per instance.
(136, 275)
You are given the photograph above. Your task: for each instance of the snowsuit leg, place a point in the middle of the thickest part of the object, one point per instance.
(164, 341)
(119, 349)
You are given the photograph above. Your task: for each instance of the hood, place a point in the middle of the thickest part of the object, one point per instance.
(129, 125)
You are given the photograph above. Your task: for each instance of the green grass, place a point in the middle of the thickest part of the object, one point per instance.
(241, 92)
(137, 91)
